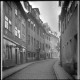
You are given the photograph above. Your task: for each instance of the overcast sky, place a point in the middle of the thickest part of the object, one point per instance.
(49, 11)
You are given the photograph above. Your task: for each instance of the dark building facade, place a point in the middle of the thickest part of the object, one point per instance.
(68, 40)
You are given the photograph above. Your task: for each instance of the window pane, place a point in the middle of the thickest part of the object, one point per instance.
(10, 26)
(28, 39)
(9, 22)
(16, 11)
(19, 33)
(6, 24)
(16, 31)
(6, 18)
(11, 52)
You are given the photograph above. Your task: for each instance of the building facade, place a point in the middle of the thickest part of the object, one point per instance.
(54, 40)
(36, 34)
(14, 34)
(24, 36)
(47, 40)
(68, 40)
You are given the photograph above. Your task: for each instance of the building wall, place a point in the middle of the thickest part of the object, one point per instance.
(11, 34)
(53, 43)
(47, 45)
(37, 34)
(13, 44)
(69, 33)
(69, 39)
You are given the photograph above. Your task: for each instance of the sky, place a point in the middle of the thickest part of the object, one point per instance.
(49, 11)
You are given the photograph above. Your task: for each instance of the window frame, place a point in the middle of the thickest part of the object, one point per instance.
(16, 11)
(15, 31)
(18, 33)
(6, 22)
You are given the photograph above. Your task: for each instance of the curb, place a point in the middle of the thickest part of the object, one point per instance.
(60, 72)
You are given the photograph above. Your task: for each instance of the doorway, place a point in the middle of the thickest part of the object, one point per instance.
(16, 56)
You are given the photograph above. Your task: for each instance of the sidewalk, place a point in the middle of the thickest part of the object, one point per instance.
(10, 71)
(60, 72)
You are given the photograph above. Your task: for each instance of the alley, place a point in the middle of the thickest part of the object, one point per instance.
(38, 70)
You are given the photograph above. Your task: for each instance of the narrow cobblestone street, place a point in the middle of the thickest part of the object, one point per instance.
(39, 70)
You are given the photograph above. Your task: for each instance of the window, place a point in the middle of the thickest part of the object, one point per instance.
(28, 54)
(16, 21)
(37, 43)
(34, 27)
(23, 29)
(19, 33)
(29, 22)
(10, 26)
(31, 25)
(7, 51)
(10, 52)
(16, 11)
(28, 39)
(43, 46)
(23, 37)
(32, 40)
(38, 30)
(30, 9)
(40, 45)
(6, 22)
(16, 31)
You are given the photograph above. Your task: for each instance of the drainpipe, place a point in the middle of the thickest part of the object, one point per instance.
(78, 29)
(1, 33)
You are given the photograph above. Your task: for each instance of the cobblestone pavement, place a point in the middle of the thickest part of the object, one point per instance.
(39, 70)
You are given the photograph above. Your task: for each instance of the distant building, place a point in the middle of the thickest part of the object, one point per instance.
(68, 23)
(53, 43)
(47, 40)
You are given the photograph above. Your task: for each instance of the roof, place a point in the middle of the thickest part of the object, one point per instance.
(21, 9)
(37, 9)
